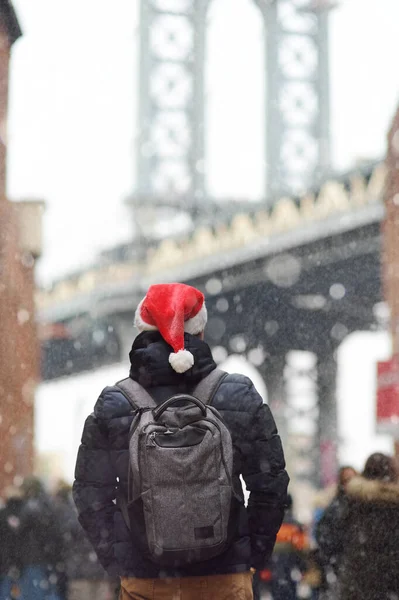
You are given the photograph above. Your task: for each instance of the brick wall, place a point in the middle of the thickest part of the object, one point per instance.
(18, 344)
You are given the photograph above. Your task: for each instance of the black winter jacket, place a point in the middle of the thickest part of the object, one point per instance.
(102, 463)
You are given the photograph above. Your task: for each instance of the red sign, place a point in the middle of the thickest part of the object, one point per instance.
(388, 396)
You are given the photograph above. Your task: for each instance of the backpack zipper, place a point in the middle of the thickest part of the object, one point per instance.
(153, 435)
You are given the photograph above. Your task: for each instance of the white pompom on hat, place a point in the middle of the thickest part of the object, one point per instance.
(172, 309)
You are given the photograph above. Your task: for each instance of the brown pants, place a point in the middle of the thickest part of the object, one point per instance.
(237, 586)
(80, 589)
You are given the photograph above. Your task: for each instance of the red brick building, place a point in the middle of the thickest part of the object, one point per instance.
(19, 246)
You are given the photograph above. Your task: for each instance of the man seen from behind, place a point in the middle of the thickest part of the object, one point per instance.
(157, 480)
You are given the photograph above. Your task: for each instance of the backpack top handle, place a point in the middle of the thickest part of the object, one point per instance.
(178, 398)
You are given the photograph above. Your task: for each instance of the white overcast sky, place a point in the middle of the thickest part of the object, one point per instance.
(73, 103)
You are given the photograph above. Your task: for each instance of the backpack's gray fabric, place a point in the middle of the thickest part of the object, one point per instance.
(208, 386)
(181, 463)
(135, 393)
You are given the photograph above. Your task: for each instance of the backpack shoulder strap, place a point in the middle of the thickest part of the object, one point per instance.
(135, 393)
(207, 387)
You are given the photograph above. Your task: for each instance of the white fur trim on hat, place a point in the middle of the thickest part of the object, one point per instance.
(181, 361)
(197, 323)
(138, 321)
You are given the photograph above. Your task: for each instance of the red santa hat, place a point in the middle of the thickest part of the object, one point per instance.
(172, 309)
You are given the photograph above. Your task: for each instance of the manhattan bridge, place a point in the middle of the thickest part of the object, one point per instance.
(297, 271)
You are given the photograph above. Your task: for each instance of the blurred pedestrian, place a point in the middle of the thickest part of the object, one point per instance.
(288, 560)
(329, 552)
(85, 579)
(168, 358)
(42, 548)
(35, 545)
(313, 576)
(367, 533)
(11, 542)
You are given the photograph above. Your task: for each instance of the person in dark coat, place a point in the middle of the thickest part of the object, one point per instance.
(11, 542)
(35, 545)
(102, 463)
(367, 533)
(328, 546)
(85, 579)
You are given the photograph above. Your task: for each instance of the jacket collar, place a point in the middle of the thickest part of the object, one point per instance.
(373, 491)
(149, 360)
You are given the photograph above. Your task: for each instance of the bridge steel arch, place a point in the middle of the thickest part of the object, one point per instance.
(170, 152)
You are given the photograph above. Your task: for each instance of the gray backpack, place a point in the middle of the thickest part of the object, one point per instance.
(179, 505)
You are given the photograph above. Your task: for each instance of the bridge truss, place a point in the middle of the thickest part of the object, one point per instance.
(171, 161)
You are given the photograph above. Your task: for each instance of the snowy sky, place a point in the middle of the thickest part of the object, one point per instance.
(73, 103)
(72, 129)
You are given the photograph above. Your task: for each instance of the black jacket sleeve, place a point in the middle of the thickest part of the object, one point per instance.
(94, 491)
(263, 470)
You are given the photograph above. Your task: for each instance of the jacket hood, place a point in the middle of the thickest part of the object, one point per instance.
(373, 491)
(149, 360)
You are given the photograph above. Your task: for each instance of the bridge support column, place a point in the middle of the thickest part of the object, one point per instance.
(292, 395)
(301, 416)
(328, 429)
(272, 371)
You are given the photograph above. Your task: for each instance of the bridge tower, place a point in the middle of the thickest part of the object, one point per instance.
(171, 165)
(171, 161)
